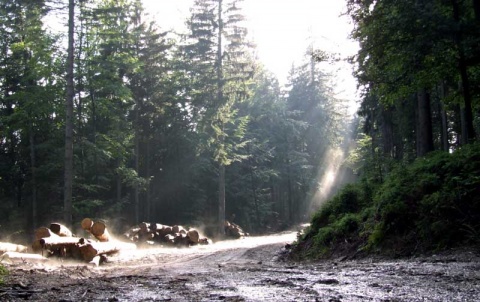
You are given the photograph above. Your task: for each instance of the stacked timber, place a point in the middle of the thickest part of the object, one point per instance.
(58, 240)
(233, 230)
(156, 233)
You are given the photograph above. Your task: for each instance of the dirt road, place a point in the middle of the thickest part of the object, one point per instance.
(247, 270)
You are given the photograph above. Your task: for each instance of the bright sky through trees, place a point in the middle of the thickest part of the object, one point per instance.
(282, 31)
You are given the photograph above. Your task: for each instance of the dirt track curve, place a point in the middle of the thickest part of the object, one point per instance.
(247, 270)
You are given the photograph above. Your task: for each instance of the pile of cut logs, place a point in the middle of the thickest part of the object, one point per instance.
(156, 233)
(58, 240)
(233, 230)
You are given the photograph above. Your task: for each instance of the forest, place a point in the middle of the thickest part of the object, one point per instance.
(114, 118)
(417, 152)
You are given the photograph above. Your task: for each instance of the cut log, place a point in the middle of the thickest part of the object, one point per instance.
(11, 247)
(99, 230)
(144, 227)
(58, 242)
(233, 230)
(167, 230)
(92, 249)
(169, 238)
(204, 241)
(87, 224)
(59, 246)
(60, 230)
(13, 257)
(156, 226)
(130, 234)
(179, 229)
(181, 239)
(193, 236)
(44, 232)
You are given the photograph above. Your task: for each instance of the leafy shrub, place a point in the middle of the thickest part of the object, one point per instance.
(433, 203)
(3, 273)
(324, 236)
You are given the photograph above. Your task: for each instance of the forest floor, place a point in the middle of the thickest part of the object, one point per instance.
(247, 270)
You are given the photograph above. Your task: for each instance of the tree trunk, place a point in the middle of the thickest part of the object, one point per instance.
(148, 203)
(137, 162)
(444, 118)
(476, 9)
(387, 132)
(221, 199)
(68, 180)
(468, 131)
(424, 124)
(289, 194)
(118, 181)
(34, 205)
(221, 168)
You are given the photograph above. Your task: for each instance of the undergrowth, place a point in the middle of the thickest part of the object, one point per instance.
(431, 204)
(3, 273)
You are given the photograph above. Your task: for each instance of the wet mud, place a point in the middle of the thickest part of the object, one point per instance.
(247, 270)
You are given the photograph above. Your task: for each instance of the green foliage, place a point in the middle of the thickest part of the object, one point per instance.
(155, 117)
(433, 203)
(3, 273)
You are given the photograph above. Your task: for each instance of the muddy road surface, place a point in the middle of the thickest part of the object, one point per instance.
(247, 270)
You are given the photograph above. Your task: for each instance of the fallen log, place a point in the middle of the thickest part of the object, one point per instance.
(22, 257)
(59, 246)
(90, 250)
(99, 230)
(11, 247)
(60, 230)
(58, 242)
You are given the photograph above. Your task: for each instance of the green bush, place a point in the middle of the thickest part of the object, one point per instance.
(324, 236)
(348, 225)
(433, 203)
(3, 273)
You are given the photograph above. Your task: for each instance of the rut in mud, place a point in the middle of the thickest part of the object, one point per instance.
(247, 270)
